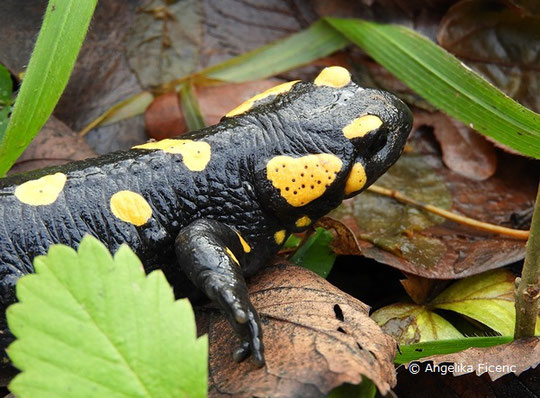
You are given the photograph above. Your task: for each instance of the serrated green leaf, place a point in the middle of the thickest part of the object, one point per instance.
(316, 254)
(89, 325)
(487, 298)
(446, 82)
(412, 352)
(6, 85)
(58, 44)
(412, 323)
(190, 107)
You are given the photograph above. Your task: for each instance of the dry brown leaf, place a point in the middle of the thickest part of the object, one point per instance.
(344, 242)
(515, 357)
(418, 288)
(419, 243)
(216, 101)
(163, 118)
(435, 384)
(316, 338)
(55, 144)
(463, 150)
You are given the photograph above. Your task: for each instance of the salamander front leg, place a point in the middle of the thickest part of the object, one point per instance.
(211, 255)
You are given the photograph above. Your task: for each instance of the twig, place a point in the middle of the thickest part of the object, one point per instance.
(514, 233)
(528, 286)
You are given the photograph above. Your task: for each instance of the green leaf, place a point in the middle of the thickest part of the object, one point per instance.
(487, 298)
(413, 352)
(6, 86)
(298, 49)
(88, 325)
(447, 83)
(412, 323)
(190, 107)
(316, 254)
(292, 242)
(366, 389)
(57, 46)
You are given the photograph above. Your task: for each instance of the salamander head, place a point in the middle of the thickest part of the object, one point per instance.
(334, 139)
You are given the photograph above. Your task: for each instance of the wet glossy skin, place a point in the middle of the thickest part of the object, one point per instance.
(218, 203)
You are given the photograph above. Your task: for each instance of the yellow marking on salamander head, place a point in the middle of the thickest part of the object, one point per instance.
(130, 207)
(245, 246)
(279, 236)
(362, 125)
(302, 180)
(196, 154)
(42, 191)
(231, 254)
(303, 222)
(247, 105)
(356, 180)
(333, 76)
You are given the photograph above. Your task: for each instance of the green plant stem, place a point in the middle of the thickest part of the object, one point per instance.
(528, 287)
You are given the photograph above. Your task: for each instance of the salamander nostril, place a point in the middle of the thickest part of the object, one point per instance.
(378, 142)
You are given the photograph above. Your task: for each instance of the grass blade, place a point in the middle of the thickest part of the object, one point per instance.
(444, 81)
(190, 107)
(57, 47)
(414, 352)
(319, 40)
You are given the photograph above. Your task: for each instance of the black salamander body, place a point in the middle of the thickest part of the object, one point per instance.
(217, 203)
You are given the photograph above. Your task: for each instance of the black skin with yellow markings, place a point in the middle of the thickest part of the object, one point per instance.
(197, 215)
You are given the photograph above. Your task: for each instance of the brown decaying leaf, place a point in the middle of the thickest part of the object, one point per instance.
(427, 384)
(216, 101)
(316, 338)
(418, 288)
(498, 40)
(55, 144)
(449, 250)
(463, 150)
(344, 242)
(515, 357)
(163, 118)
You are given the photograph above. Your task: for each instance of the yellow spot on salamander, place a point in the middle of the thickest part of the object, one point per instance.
(301, 180)
(130, 207)
(303, 222)
(279, 236)
(333, 76)
(360, 126)
(43, 191)
(245, 246)
(246, 105)
(231, 254)
(356, 180)
(196, 154)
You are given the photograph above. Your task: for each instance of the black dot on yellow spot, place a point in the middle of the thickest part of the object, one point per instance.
(42, 191)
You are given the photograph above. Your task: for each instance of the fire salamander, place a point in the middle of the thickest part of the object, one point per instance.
(217, 203)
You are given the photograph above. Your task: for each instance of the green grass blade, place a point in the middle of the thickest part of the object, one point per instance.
(444, 81)
(299, 49)
(417, 351)
(57, 47)
(190, 107)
